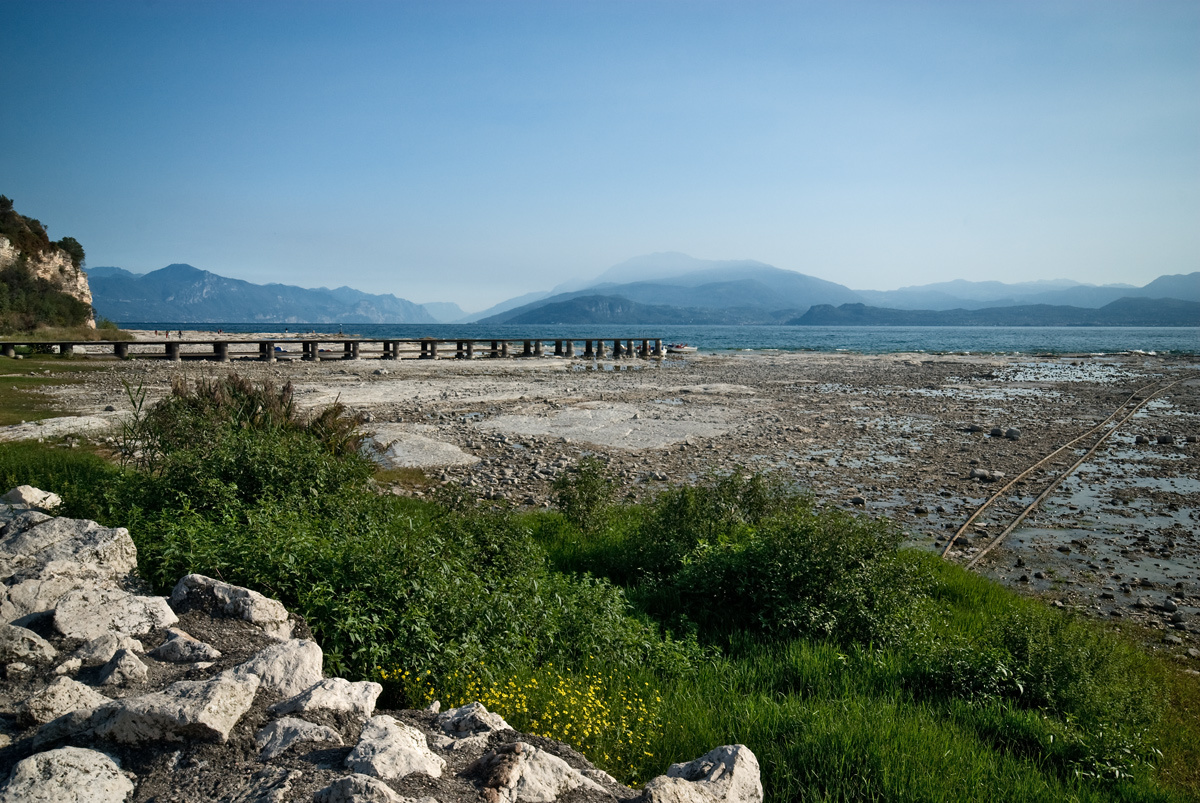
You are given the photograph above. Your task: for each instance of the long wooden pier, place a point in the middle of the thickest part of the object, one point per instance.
(316, 349)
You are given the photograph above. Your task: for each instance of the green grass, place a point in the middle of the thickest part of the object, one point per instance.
(22, 380)
(957, 690)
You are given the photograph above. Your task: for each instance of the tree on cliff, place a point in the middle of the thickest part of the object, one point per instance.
(27, 300)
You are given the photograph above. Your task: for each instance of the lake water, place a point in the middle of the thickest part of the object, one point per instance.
(863, 339)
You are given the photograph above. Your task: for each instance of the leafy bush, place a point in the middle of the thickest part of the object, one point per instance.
(584, 494)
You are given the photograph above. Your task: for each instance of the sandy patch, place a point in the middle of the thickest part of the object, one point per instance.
(403, 446)
(64, 425)
(618, 425)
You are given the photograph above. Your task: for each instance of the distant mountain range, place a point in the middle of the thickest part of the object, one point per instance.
(675, 288)
(664, 288)
(184, 294)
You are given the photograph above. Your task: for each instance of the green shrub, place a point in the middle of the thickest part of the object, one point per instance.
(584, 494)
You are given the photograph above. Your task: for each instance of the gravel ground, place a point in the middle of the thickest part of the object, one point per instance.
(896, 435)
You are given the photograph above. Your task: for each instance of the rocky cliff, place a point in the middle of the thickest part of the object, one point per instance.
(55, 266)
(217, 693)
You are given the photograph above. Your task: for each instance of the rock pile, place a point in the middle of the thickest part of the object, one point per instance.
(217, 693)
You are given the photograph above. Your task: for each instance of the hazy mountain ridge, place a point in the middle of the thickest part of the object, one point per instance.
(1123, 312)
(185, 294)
(964, 294)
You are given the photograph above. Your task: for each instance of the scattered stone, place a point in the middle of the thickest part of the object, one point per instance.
(205, 710)
(235, 601)
(180, 648)
(357, 789)
(281, 734)
(87, 613)
(470, 720)
(1173, 640)
(1141, 439)
(268, 785)
(332, 694)
(728, 774)
(1166, 440)
(32, 497)
(521, 772)
(62, 696)
(1013, 434)
(287, 668)
(68, 667)
(20, 644)
(101, 649)
(124, 668)
(390, 749)
(67, 775)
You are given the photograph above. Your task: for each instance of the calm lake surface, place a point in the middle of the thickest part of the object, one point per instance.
(863, 339)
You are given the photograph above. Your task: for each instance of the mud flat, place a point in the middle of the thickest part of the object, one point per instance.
(895, 435)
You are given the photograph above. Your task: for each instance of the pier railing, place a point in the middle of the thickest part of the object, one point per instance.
(316, 349)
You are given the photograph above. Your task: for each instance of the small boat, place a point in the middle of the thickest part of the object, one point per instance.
(680, 348)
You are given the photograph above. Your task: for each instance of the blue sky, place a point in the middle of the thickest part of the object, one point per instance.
(474, 151)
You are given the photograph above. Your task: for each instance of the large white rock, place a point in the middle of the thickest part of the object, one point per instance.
(727, 774)
(32, 497)
(358, 788)
(278, 736)
(287, 668)
(521, 772)
(180, 648)
(333, 694)
(87, 613)
(67, 775)
(470, 720)
(188, 709)
(235, 601)
(69, 546)
(18, 644)
(62, 696)
(390, 749)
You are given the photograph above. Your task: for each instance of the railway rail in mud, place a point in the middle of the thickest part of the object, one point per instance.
(1049, 472)
(317, 349)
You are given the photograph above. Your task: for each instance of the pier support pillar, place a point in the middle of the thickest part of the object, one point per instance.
(460, 350)
(428, 349)
(658, 349)
(601, 352)
(495, 349)
(119, 349)
(266, 350)
(65, 349)
(470, 349)
(173, 352)
(10, 350)
(558, 348)
(645, 350)
(349, 349)
(220, 351)
(309, 348)
(504, 348)
(618, 352)
(528, 350)
(539, 349)
(570, 349)
(588, 352)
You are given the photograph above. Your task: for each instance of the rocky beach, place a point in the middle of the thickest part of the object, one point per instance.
(920, 438)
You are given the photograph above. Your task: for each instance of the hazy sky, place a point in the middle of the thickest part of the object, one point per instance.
(475, 151)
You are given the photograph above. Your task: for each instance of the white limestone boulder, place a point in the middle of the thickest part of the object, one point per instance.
(333, 694)
(471, 719)
(32, 497)
(180, 648)
(187, 709)
(20, 645)
(235, 601)
(727, 774)
(521, 773)
(87, 613)
(101, 649)
(276, 737)
(123, 668)
(67, 775)
(358, 788)
(69, 545)
(287, 668)
(62, 696)
(390, 749)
